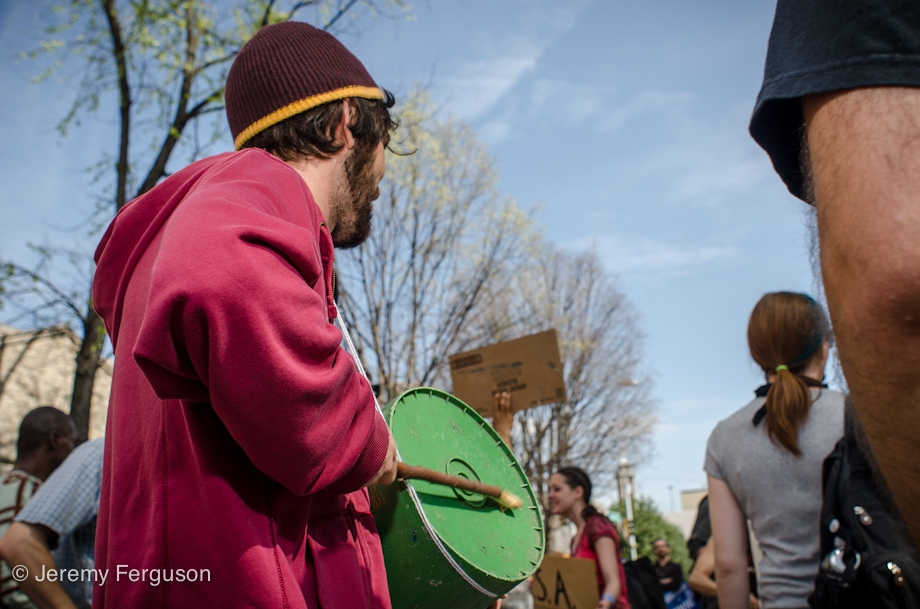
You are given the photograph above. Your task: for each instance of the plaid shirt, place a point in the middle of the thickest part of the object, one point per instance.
(67, 503)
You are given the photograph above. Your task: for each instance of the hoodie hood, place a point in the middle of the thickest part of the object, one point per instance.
(131, 232)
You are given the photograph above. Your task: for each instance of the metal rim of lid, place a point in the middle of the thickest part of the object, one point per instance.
(447, 397)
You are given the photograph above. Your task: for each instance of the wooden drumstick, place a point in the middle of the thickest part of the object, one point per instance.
(416, 472)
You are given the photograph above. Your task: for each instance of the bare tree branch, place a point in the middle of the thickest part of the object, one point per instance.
(124, 97)
(609, 411)
(442, 232)
(339, 14)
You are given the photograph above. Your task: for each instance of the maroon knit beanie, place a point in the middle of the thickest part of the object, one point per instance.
(285, 69)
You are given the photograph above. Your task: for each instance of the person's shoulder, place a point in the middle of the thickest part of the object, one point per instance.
(250, 187)
(87, 455)
(600, 526)
(826, 415)
(740, 419)
(75, 482)
(16, 487)
(830, 398)
(91, 449)
(828, 405)
(728, 434)
(262, 166)
(599, 520)
(18, 476)
(254, 158)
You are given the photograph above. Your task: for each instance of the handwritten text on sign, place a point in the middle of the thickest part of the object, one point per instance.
(565, 583)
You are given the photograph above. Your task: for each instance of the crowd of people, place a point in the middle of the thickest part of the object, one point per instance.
(241, 436)
(764, 465)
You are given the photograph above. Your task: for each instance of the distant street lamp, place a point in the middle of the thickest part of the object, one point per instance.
(625, 475)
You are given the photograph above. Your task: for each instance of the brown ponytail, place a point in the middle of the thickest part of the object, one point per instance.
(786, 331)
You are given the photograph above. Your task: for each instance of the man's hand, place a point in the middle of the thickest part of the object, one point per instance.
(502, 416)
(387, 472)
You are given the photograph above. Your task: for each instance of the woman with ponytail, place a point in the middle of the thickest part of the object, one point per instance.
(595, 537)
(764, 461)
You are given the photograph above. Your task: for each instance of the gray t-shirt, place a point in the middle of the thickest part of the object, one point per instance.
(778, 492)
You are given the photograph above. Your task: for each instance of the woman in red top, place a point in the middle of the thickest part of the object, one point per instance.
(596, 538)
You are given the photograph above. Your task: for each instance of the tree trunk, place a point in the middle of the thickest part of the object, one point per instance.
(88, 361)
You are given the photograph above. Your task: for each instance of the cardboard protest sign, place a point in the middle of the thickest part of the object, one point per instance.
(565, 583)
(529, 368)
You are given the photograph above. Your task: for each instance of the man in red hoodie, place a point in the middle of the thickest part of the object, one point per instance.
(240, 436)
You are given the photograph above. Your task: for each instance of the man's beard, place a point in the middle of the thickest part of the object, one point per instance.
(353, 197)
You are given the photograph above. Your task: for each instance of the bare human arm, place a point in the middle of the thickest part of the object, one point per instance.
(729, 537)
(700, 580)
(503, 416)
(28, 545)
(607, 558)
(864, 149)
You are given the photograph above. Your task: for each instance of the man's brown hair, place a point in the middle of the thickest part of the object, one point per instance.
(311, 134)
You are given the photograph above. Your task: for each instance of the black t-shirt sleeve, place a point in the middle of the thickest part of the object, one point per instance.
(818, 46)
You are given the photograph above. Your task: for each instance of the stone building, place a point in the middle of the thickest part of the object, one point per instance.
(36, 369)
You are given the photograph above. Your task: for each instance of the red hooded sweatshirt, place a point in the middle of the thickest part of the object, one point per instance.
(235, 417)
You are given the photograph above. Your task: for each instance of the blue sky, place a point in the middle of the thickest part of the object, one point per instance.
(626, 122)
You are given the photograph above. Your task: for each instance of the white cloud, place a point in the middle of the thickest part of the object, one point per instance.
(697, 160)
(637, 255)
(495, 131)
(706, 162)
(602, 106)
(480, 83)
(712, 166)
(568, 101)
(667, 103)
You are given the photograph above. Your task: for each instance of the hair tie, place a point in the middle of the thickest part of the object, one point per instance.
(782, 367)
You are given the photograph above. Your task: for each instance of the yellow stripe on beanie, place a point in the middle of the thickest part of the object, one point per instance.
(304, 104)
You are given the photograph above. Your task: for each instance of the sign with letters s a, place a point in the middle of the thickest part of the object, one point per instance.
(565, 583)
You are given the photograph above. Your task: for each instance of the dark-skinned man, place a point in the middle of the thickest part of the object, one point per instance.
(46, 437)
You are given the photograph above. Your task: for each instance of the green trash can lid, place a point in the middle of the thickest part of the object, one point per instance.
(436, 430)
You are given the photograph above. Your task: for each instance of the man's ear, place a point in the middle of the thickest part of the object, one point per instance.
(343, 134)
